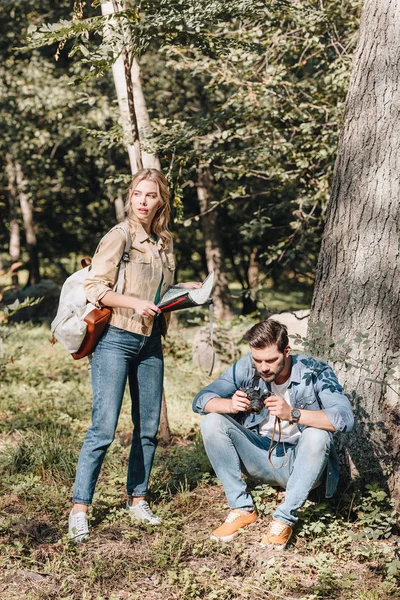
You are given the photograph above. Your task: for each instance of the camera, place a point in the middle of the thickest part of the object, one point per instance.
(257, 397)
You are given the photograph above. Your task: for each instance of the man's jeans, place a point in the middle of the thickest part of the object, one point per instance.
(233, 449)
(122, 355)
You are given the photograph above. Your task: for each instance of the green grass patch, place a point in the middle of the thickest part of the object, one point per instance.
(45, 404)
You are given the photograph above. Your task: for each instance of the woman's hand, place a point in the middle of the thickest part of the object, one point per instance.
(191, 285)
(145, 308)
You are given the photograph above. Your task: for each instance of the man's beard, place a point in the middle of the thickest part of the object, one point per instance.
(272, 377)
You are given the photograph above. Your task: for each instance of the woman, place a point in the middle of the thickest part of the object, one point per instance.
(130, 349)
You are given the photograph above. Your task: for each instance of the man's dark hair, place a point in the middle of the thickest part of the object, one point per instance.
(267, 333)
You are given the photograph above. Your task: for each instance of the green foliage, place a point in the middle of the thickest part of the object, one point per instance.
(376, 514)
(264, 499)
(43, 118)
(11, 309)
(44, 453)
(6, 312)
(254, 91)
(45, 407)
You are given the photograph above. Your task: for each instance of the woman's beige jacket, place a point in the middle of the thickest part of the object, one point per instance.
(148, 261)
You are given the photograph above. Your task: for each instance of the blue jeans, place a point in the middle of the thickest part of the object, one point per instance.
(120, 356)
(233, 449)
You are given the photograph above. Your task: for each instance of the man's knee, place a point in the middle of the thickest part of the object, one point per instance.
(317, 441)
(213, 423)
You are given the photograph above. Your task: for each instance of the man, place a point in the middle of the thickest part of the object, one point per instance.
(288, 444)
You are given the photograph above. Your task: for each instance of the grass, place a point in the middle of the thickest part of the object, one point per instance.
(340, 552)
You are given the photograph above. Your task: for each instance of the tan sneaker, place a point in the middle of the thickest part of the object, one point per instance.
(234, 521)
(277, 535)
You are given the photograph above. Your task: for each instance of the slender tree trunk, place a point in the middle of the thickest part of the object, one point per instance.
(150, 160)
(357, 288)
(135, 122)
(254, 268)
(15, 238)
(164, 432)
(132, 106)
(253, 271)
(28, 220)
(119, 208)
(213, 248)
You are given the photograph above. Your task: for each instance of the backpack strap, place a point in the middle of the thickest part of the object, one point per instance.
(119, 285)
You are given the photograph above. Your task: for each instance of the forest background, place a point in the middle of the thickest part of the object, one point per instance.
(245, 102)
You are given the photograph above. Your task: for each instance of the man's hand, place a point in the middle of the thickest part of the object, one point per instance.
(239, 402)
(278, 407)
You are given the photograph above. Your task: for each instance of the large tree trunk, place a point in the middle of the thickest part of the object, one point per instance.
(357, 286)
(213, 249)
(15, 238)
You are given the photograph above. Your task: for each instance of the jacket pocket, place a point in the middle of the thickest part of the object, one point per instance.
(309, 401)
(168, 261)
(139, 257)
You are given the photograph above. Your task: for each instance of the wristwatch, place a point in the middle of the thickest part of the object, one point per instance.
(296, 414)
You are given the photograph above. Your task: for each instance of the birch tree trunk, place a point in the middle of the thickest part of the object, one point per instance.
(357, 287)
(213, 249)
(132, 106)
(135, 122)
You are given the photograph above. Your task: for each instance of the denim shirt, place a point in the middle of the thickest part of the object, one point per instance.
(313, 386)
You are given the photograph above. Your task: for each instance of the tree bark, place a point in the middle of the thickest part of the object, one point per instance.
(119, 208)
(132, 106)
(213, 248)
(28, 220)
(150, 160)
(164, 432)
(15, 237)
(357, 286)
(249, 304)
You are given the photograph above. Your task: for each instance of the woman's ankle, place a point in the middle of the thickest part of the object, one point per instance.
(134, 500)
(79, 508)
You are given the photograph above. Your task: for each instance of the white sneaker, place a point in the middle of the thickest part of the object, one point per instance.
(142, 512)
(78, 528)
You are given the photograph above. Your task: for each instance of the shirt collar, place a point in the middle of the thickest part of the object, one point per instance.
(295, 373)
(140, 234)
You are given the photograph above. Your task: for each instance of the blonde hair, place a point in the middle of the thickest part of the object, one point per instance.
(161, 219)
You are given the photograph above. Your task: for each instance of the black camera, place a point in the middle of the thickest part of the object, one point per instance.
(257, 397)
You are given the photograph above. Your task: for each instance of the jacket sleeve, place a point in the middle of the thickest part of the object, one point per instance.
(223, 387)
(104, 270)
(335, 402)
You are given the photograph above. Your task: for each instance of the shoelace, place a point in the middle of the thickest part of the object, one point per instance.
(80, 523)
(277, 528)
(147, 510)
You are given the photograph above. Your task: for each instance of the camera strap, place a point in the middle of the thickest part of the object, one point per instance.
(273, 445)
(277, 429)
